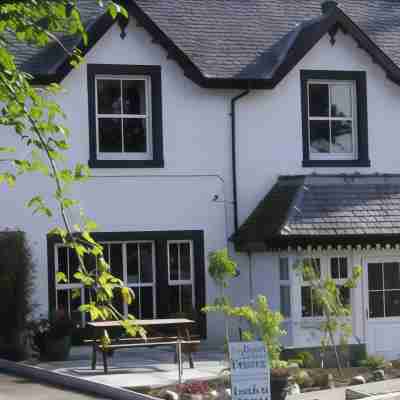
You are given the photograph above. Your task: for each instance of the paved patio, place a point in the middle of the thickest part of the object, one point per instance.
(139, 367)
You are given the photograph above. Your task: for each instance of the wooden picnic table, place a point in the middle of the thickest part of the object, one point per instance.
(182, 337)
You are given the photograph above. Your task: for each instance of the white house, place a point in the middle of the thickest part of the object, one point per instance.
(268, 126)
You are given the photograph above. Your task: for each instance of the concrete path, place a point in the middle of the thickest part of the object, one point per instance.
(17, 388)
(130, 368)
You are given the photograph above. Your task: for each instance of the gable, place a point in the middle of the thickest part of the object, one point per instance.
(236, 44)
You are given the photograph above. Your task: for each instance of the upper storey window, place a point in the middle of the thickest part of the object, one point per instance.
(125, 116)
(334, 119)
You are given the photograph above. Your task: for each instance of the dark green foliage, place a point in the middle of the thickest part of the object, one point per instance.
(16, 286)
(307, 359)
(373, 362)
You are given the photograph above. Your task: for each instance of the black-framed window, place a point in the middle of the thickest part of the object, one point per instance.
(125, 116)
(165, 269)
(334, 118)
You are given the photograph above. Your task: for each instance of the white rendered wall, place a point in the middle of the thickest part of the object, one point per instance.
(196, 130)
(273, 147)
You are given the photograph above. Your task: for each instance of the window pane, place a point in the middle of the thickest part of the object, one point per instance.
(319, 136)
(75, 303)
(314, 263)
(106, 252)
(392, 306)
(376, 304)
(343, 267)
(68, 304)
(134, 100)
(306, 308)
(135, 137)
(132, 262)
(285, 301)
(73, 265)
(284, 269)
(146, 302)
(116, 260)
(342, 137)
(146, 263)
(185, 262)
(173, 262)
(90, 262)
(133, 308)
(341, 102)
(344, 293)
(392, 275)
(375, 277)
(63, 260)
(319, 100)
(110, 135)
(63, 301)
(335, 268)
(108, 96)
(118, 302)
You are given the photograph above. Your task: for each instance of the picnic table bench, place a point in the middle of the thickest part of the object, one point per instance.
(182, 336)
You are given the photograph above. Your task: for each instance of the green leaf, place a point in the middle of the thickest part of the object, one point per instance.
(7, 150)
(127, 295)
(84, 278)
(61, 277)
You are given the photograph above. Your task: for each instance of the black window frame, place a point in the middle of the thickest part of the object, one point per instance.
(360, 80)
(154, 72)
(160, 238)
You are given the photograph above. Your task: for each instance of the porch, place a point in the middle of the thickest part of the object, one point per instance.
(339, 222)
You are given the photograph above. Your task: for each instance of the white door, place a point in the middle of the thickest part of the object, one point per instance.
(383, 307)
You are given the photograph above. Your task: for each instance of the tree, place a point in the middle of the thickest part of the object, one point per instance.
(263, 323)
(221, 269)
(326, 295)
(34, 117)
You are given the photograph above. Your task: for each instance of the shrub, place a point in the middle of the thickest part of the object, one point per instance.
(373, 362)
(307, 359)
(16, 286)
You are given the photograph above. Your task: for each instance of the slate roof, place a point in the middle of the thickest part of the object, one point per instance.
(240, 41)
(224, 37)
(42, 61)
(299, 209)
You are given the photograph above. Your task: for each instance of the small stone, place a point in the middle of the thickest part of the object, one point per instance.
(169, 395)
(358, 380)
(304, 379)
(291, 389)
(324, 380)
(331, 381)
(214, 394)
(379, 375)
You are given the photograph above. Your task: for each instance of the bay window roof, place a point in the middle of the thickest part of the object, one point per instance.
(325, 210)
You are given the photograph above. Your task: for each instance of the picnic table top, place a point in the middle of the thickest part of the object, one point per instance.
(143, 322)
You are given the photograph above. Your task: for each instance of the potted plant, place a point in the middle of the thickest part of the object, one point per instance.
(52, 337)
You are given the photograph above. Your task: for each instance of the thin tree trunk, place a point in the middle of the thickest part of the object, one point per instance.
(333, 343)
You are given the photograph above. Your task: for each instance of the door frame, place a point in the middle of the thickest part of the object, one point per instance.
(387, 258)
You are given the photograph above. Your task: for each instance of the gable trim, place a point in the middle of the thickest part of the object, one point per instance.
(308, 36)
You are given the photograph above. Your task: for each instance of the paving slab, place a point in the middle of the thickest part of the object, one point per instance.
(130, 368)
(16, 388)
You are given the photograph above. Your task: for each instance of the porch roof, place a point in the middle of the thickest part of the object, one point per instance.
(322, 210)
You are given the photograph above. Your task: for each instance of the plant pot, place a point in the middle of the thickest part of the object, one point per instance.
(57, 349)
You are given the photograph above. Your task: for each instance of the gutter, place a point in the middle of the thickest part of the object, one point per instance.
(233, 144)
